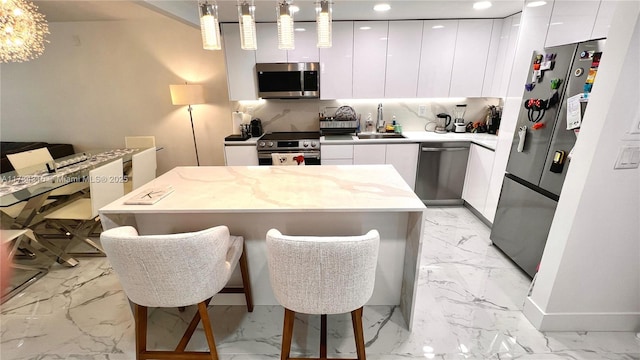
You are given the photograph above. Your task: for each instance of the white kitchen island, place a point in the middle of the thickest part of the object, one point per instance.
(297, 200)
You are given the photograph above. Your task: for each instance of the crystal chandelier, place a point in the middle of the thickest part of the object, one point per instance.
(22, 31)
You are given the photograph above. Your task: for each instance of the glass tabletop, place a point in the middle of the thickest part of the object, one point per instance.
(21, 185)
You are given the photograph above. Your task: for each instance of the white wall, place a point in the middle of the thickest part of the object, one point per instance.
(99, 81)
(589, 276)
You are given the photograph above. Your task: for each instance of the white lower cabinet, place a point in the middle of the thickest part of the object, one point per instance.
(242, 155)
(476, 181)
(403, 157)
(336, 154)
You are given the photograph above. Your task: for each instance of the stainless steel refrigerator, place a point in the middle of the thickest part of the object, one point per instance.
(541, 146)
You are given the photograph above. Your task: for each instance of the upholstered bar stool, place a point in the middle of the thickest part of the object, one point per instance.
(322, 275)
(174, 271)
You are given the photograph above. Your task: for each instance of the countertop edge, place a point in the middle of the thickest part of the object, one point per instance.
(487, 141)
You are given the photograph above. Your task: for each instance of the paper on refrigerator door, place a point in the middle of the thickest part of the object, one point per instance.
(574, 115)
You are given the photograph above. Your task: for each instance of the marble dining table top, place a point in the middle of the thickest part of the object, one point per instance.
(277, 189)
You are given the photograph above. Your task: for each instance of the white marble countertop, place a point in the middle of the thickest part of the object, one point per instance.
(228, 189)
(486, 140)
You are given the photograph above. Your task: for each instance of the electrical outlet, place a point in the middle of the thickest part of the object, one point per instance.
(422, 110)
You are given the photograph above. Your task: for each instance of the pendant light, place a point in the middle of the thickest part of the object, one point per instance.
(323, 23)
(285, 26)
(247, 20)
(209, 26)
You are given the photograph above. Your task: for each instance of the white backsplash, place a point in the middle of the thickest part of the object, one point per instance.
(303, 114)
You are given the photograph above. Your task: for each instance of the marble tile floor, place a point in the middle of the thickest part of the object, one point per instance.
(469, 307)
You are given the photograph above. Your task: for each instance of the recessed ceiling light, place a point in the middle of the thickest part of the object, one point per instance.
(300, 29)
(382, 7)
(437, 26)
(536, 3)
(481, 5)
(294, 8)
(365, 28)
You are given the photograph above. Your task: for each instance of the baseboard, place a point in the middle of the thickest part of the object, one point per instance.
(614, 321)
(478, 214)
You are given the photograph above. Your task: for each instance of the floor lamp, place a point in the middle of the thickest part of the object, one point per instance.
(188, 95)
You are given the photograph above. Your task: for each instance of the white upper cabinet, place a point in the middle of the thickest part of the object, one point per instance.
(369, 59)
(241, 78)
(336, 63)
(470, 61)
(603, 19)
(488, 89)
(403, 59)
(306, 49)
(305, 44)
(268, 52)
(436, 57)
(571, 21)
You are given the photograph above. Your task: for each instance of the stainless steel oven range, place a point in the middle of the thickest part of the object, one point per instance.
(304, 142)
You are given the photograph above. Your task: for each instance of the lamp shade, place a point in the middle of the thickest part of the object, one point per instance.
(186, 94)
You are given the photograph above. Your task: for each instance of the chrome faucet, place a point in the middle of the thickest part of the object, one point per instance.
(380, 119)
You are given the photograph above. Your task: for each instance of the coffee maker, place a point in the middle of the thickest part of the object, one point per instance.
(458, 120)
(442, 123)
(256, 127)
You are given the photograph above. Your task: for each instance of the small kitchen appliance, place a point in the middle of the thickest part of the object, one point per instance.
(458, 121)
(256, 127)
(442, 122)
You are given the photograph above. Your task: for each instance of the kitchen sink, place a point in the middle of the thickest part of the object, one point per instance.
(381, 136)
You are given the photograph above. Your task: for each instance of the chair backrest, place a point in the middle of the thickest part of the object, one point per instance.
(139, 142)
(171, 270)
(287, 159)
(144, 167)
(105, 185)
(322, 275)
(26, 162)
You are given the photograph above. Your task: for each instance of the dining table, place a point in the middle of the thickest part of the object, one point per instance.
(32, 186)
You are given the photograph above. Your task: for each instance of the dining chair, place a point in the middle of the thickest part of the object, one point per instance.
(139, 142)
(105, 187)
(175, 270)
(30, 161)
(287, 159)
(143, 169)
(322, 275)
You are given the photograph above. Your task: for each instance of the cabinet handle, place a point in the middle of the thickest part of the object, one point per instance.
(432, 149)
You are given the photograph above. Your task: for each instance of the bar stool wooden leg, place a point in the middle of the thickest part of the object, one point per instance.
(141, 330)
(246, 283)
(356, 319)
(206, 324)
(323, 337)
(190, 329)
(287, 334)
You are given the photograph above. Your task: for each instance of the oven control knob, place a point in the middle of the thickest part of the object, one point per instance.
(305, 144)
(270, 144)
(314, 144)
(261, 144)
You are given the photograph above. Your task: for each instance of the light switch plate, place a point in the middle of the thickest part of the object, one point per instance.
(422, 110)
(628, 158)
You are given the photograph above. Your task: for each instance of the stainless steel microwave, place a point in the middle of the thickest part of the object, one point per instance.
(288, 80)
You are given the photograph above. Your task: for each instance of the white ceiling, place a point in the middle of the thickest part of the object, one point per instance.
(186, 10)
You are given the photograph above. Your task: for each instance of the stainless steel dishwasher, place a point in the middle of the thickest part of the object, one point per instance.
(441, 170)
